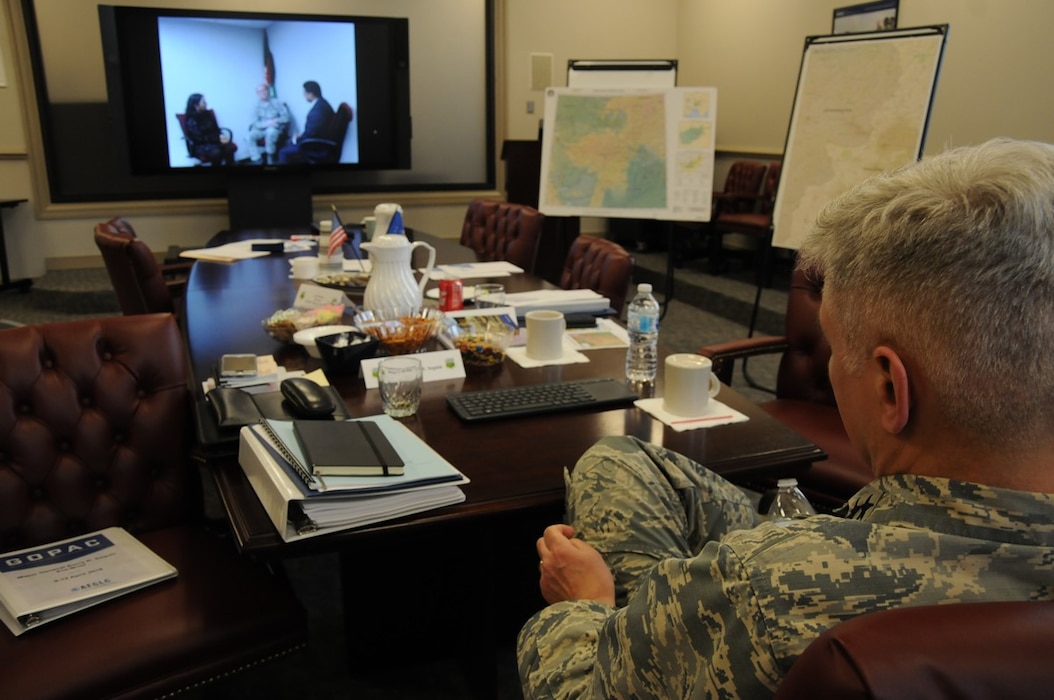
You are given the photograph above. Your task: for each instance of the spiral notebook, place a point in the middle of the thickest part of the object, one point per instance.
(424, 467)
(335, 448)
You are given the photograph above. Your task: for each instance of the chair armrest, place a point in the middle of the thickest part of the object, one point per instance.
(724, 355)
(177, 287)
(179, 268)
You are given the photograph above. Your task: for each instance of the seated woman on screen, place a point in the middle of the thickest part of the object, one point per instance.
(205, 140)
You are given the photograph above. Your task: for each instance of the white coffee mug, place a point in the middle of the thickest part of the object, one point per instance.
(545, 335)
(305, 267)
(369, 226)
(690, 382)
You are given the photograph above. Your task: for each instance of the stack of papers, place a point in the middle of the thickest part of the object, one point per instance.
(243, 250)
(566, 300)
(497, 268)
(302, 505)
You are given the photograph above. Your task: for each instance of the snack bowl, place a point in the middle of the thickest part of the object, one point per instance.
(482, 340)
(401, 331)
(283, 324)
(343, 352)
(309, 336)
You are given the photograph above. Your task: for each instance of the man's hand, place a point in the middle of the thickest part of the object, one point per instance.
(572, 569)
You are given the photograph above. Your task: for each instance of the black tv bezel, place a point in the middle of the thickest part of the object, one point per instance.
(132, 63)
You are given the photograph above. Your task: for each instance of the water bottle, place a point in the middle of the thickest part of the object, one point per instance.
(328, 264)
(789, 503)
(642, 356)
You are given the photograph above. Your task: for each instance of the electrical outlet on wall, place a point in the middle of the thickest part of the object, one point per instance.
(530, 106)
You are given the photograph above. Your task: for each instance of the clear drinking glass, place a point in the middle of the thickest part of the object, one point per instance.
(489, 295)
(400, 379)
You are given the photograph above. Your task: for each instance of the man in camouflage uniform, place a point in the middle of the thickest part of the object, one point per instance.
(939, 307)
(269, 121)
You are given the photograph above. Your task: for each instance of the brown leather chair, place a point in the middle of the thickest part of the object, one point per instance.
(752, 221)
(601, 265)
(804, 399)
(959, 652)
(143, 285)
(94, 432)
(739, 195)
(499, 230)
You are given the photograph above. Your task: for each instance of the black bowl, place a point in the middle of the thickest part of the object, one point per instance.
(343, 352)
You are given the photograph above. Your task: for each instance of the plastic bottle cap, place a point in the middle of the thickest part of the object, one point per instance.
(325, 226)
(786, 483)
(644, 288)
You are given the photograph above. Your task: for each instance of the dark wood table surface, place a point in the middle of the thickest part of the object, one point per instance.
(514, 465)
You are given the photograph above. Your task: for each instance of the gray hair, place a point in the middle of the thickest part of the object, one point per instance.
(950, 261)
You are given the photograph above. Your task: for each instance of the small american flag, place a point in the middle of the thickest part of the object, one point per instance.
(337, 236)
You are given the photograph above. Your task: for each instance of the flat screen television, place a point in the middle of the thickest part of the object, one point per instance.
(294, 92)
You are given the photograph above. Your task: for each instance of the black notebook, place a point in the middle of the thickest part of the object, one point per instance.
(347, 448)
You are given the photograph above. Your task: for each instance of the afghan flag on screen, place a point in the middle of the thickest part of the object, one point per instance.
(337, 236)
(268, 60)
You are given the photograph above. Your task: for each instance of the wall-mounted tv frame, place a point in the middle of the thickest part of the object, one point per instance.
(208, 88)
(876, 16)
(453, 147)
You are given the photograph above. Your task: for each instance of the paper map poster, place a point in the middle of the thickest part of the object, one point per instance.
(861, 109)
(629, 153)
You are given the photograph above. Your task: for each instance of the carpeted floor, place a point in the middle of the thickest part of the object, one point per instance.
(705, 309)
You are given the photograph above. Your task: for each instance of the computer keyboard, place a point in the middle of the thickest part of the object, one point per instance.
(533, 399)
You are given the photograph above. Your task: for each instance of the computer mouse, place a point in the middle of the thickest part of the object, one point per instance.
(307, 399)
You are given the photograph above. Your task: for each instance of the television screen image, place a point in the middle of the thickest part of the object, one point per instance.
(211, 89)
(251, 75)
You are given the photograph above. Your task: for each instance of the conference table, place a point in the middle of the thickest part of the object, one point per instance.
(516, 466)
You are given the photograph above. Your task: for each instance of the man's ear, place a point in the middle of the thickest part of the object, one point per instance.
(893, 389)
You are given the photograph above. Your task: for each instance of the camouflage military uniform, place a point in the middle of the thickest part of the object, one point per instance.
(710, 606)
(260, 129)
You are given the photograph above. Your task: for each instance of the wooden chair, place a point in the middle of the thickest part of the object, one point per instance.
(960, 651)
(95, 432)
(601, 265)
(143, 286)
(803, 399)
(499, 230)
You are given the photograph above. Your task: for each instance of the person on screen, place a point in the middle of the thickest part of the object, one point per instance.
(316, 126)
(269, 122)
(206, 141)
(664, 584)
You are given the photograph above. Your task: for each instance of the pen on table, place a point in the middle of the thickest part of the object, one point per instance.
(699, 420)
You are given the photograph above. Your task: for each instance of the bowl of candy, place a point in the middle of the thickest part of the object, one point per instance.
(483, 340)
(401, 331)
(283, 324)
(343, 352)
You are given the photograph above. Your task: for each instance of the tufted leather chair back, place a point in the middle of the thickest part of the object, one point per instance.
(503, 231)
(93, 429)
(960, 651)
(136, 276)
(601, 265)
(769, 187)
(802, 372)
(744, 177)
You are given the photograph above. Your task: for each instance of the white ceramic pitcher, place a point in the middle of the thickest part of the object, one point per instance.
(392, 284)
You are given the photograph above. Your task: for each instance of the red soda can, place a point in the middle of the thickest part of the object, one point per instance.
(450, 295)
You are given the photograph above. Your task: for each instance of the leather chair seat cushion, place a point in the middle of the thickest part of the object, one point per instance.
(132, 645)
(844, 472)
(962, 651)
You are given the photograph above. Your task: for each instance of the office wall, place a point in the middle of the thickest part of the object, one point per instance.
(993, 83)
(989, 83)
